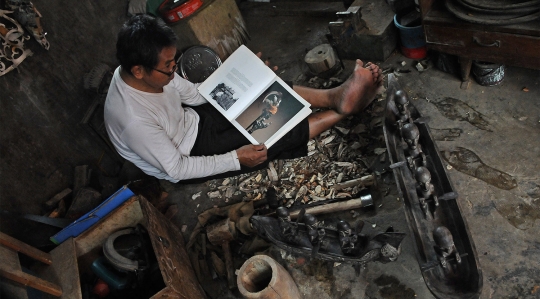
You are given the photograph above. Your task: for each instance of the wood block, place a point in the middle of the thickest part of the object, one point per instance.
(321, 58)
(217, 24)
(85, 200)
(51, 203)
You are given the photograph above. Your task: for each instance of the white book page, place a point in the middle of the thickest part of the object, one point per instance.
(272, 114)
(237, 82)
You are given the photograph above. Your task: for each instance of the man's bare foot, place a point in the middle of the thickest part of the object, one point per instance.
(360, 88)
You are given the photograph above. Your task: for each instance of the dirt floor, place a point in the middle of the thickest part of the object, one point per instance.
(499, 187)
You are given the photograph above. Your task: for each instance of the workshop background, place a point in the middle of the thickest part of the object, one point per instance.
(52, 131)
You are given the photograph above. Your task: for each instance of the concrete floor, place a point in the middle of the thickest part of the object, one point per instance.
(503, 223)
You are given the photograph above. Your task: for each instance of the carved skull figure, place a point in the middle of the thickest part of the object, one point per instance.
(411, 136)
(311, 225)
(445, 245)
(347, 238)
(425, 188)
(402, 101)
(287, 227)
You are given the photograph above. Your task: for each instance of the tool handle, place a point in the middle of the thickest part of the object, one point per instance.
(231, 279)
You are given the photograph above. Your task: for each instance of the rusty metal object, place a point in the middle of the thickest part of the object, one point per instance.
(445, 250)
(261, 277)
(220, 234)
(368, 34)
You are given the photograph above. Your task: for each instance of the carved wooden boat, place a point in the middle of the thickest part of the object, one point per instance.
(444, 275)
(383, 247)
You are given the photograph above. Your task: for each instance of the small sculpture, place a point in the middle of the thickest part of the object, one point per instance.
(402, 102)
(315, 231)
(445, 245)
(425, 189)
(288, 228)
(411, 135)
(348, 240)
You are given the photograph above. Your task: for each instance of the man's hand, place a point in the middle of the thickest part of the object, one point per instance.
(267, 62)
(252, 155)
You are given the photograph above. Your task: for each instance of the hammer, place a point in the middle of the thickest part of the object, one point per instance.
(220, 234)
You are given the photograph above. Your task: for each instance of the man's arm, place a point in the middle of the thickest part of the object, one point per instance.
(152, 145)
(189, 94)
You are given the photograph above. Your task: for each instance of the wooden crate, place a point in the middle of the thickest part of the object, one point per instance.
(75, 255)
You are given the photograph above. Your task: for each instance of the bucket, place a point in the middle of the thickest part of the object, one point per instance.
(487, 73)
(413, 44)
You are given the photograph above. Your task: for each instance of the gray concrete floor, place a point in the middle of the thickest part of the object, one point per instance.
(503, 223)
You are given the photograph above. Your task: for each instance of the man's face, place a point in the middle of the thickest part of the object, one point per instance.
(166, 64)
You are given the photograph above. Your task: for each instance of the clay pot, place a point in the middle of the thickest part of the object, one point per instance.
(261, 277)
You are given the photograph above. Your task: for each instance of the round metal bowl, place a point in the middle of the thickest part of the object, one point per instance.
(198, 63)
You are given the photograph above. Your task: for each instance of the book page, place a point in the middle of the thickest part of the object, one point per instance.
(237, 82)
(272, 114)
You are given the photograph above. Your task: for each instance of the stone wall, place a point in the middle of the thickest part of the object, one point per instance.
(43, 102)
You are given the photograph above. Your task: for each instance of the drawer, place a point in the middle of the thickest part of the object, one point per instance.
(483, 45)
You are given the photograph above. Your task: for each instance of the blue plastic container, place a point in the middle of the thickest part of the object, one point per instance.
(410, 37)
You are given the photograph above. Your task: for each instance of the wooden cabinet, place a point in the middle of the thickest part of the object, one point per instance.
(517, 45)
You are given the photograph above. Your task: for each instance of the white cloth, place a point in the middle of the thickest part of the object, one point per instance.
(154, 131)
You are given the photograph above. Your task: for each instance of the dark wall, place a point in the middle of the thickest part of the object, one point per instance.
(44, 101)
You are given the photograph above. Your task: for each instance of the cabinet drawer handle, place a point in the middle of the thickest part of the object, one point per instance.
(497, 43)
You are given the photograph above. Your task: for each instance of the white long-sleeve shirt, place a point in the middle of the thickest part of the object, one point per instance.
(156, 133)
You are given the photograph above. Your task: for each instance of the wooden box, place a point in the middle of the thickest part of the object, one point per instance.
(74, 256)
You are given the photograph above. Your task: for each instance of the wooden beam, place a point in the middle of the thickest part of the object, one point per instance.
(32, 281)
(25, 249)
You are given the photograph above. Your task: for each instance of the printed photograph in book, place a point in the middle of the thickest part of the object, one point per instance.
(224, 96)
(269, 112)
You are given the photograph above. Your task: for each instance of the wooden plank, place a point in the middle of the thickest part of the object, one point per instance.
(24, 248)
(10, 260)
(11, 289)
(292, 8)
(10, 268)
(174, 262)
(126, 215)
(64, 270)
(32, 281)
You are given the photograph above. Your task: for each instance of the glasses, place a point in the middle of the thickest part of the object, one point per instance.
(175, 67)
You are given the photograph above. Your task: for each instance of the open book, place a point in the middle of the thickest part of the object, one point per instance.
(253, 98)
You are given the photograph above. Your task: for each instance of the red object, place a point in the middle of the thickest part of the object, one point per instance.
(416, 53)
(173, 11)
(101, 289)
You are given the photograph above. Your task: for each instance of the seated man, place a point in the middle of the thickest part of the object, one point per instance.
(158, 121)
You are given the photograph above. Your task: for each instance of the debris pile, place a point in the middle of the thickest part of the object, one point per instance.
(337, 167)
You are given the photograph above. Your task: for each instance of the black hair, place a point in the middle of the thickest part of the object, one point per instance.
(140, 41)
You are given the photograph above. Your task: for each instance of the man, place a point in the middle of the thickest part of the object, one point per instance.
(159, 121)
